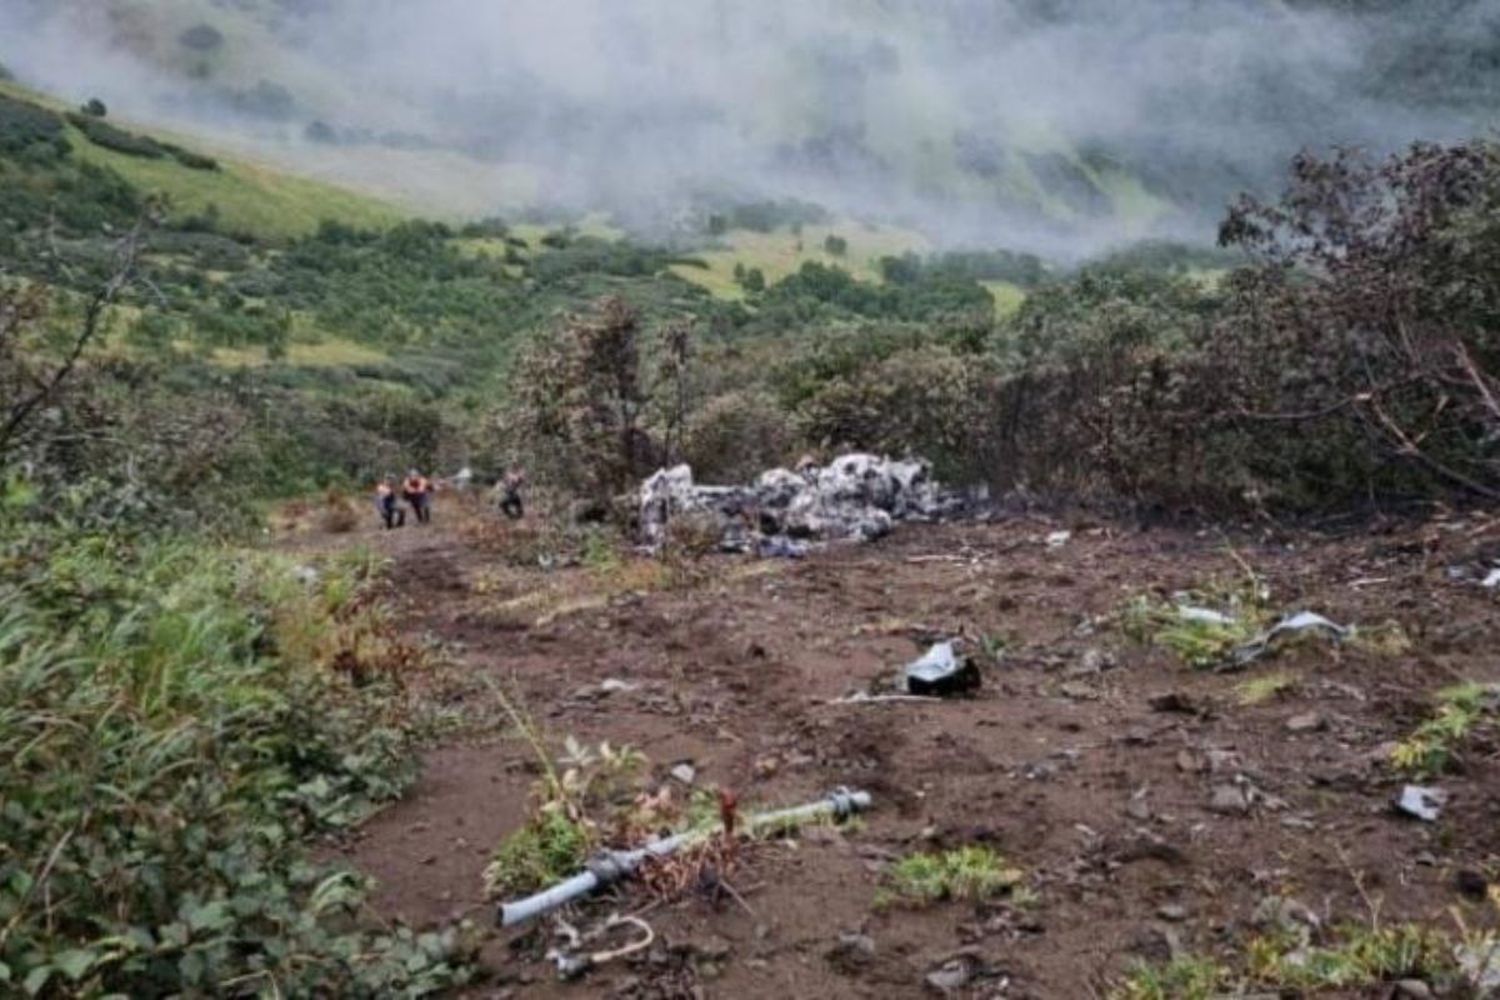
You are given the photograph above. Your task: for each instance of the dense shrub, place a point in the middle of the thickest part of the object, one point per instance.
(171, 728)
(734, 437)
(25, 126)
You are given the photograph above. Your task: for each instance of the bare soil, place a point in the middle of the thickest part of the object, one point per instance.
(1090, 761)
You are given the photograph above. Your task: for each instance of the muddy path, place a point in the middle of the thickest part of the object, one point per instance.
(1152, 807)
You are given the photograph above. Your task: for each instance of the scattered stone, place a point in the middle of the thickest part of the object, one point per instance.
(1229, 800)
(1079, 691)
(951, 978)
(1058, 539)
(853, 954)
(1138, 808)
(1190, 763)
(1093, 661)
(1471, 884)
(612, 685)
(1175, 701)
(684, 773)
(1307, 722)
(715, 949)
(1413, 989)
(1281, 913)
(1173, 912)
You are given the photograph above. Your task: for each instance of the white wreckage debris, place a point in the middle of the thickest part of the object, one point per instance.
(854, 498)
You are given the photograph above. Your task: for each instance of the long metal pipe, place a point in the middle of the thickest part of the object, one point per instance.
(610, 866)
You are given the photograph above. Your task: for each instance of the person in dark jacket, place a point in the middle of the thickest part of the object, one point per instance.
(385, 504)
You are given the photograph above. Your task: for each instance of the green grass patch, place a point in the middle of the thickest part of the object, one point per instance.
(244, 198)
(966, 874)
(1433, 747)
(1264, 688)
(1188, 977)
(1358, 957)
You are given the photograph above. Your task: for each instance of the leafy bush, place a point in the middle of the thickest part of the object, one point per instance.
(24, 125)
(735, 436)
(102, 133)
(166, 752)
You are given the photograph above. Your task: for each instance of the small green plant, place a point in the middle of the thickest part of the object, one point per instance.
(1192, 628)
(1433, 746)
(1358, 956)
(965, 874)
(1188, 977)
(547, 849)
(1258, 690)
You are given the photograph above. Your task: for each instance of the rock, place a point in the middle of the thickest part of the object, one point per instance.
(1229, 800)
(1173, 912)
(1307, 722)
(684, 773)
(611, 685)
(1079, 691)
(853, 954)
(1471, 884)
(1138, 808)
(715, 949)
(951, 978)
(1175, 701)
(1190, 763)
(1281, 913)
(1412, 989)
(1093, 661)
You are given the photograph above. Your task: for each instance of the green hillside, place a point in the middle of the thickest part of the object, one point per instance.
(245, 197)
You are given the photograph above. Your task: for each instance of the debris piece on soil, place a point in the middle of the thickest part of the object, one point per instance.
(1481, 966)
(1203, 616)
(1422, 802)
(855, 497)
(1058, 539)
(573, 963)
(684, 773)
(1493, 580)
(952, 977)
(612, 685)
(941, 673)
(1174, 912)
(1303, 621)
(612, 865)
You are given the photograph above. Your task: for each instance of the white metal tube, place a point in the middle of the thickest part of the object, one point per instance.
(617, 864)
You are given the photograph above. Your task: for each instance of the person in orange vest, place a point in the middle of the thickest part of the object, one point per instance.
(385, 503)
(417, 491)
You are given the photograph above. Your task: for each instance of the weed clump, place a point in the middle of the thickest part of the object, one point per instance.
(1433, 747)
(966, 874)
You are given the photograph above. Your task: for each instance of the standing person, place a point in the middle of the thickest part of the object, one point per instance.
(385, 503)
(510, 493)
(417, 491)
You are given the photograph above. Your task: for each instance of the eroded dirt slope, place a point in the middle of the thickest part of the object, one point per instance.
(1151, 807)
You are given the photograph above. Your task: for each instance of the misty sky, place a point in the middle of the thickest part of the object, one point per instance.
(1050, 122)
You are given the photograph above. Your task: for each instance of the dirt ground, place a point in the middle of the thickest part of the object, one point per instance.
(1089, 760)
